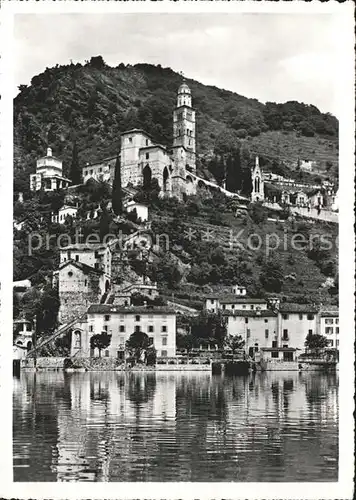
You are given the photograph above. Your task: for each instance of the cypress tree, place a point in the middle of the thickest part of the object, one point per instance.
(116, 189)
(75, 174)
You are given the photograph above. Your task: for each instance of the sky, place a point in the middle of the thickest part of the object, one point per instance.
(270, 57)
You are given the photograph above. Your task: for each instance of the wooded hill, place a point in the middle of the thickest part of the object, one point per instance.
(93, 103)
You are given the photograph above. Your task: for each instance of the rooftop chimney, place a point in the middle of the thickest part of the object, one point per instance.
(49, 151)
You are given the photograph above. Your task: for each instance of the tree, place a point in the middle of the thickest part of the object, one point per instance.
(271, 277)
(234, 342)
(100, 341)
(315, 342)
(138, 343)
(116, 189)
(75, 173)
(104, 224)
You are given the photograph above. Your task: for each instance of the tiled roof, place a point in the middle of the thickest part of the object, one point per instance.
(286, 307)
(248, 313)
(85, 246)
(233, 299)
(112, 309)
(329, 314)
(80, 265)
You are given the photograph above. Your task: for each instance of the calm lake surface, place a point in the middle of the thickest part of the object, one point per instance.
(109, 426)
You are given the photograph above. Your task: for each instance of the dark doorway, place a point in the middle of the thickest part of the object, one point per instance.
(147, 177)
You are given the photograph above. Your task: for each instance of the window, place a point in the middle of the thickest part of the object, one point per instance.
(147, 156)
(266, 334)
(212, 301)
(150, 328)
(137, 317)
(244, 307)
(266, 320)
(164, 328)
(285, 345)
(274, 354)
(164, 354)
(150, 341)
(252, 307)
(274, 343)
(300, 316)
(246, 320)
(329, 321)
(85, 282)
(224, 307)
(330, 343)
(70, 274)
(285, 334)
(310, 332)
(232, 306)
(329, 330)
(146, 142)
(248, 333)
(337, 329)
(100, 169)
(285, 316)
(107, 317)
(310, 317)
(105, 328)
(137, 329)
(130, 139)
(91, 172)
(164, 340)
(122, 328)
(337, 343)
(336, 321)
(91, 329)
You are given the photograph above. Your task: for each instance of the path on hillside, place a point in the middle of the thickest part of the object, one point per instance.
(325, 215)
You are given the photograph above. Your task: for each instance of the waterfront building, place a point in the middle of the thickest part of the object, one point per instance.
(329, 325)
(295, 322)
(258, 328)
(23, 340)
(159, 323)
(49, 174)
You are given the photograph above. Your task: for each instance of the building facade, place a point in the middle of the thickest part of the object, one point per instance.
(159, 323)
(329, 326)
(49, 174)
(63, 213)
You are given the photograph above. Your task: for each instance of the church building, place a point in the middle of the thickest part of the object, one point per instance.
(142, 159)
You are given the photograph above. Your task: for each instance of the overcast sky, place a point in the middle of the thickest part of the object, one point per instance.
(271, 57)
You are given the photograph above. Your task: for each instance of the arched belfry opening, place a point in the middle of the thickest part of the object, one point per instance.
(166, 179)
(147, 177)
(257, 185)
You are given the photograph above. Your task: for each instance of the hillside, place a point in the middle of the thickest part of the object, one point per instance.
(94, 103)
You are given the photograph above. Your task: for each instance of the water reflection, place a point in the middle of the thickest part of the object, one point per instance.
(108, 426)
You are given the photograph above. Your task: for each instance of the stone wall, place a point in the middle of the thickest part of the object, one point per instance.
(49, 363)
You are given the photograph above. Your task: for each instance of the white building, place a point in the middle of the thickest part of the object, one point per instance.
(141, 209)
(159, 323)
(49, 174)
(214, 303)
(101, 171)
(23, 340)
(295, 322)
(257, 328)
(63, 213)
(329, 326)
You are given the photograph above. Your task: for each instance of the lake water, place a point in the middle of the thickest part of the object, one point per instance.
(110, 426)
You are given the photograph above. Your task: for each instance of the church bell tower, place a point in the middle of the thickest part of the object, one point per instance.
(184, 125)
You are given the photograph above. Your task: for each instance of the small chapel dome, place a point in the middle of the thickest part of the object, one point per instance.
(184, 89)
